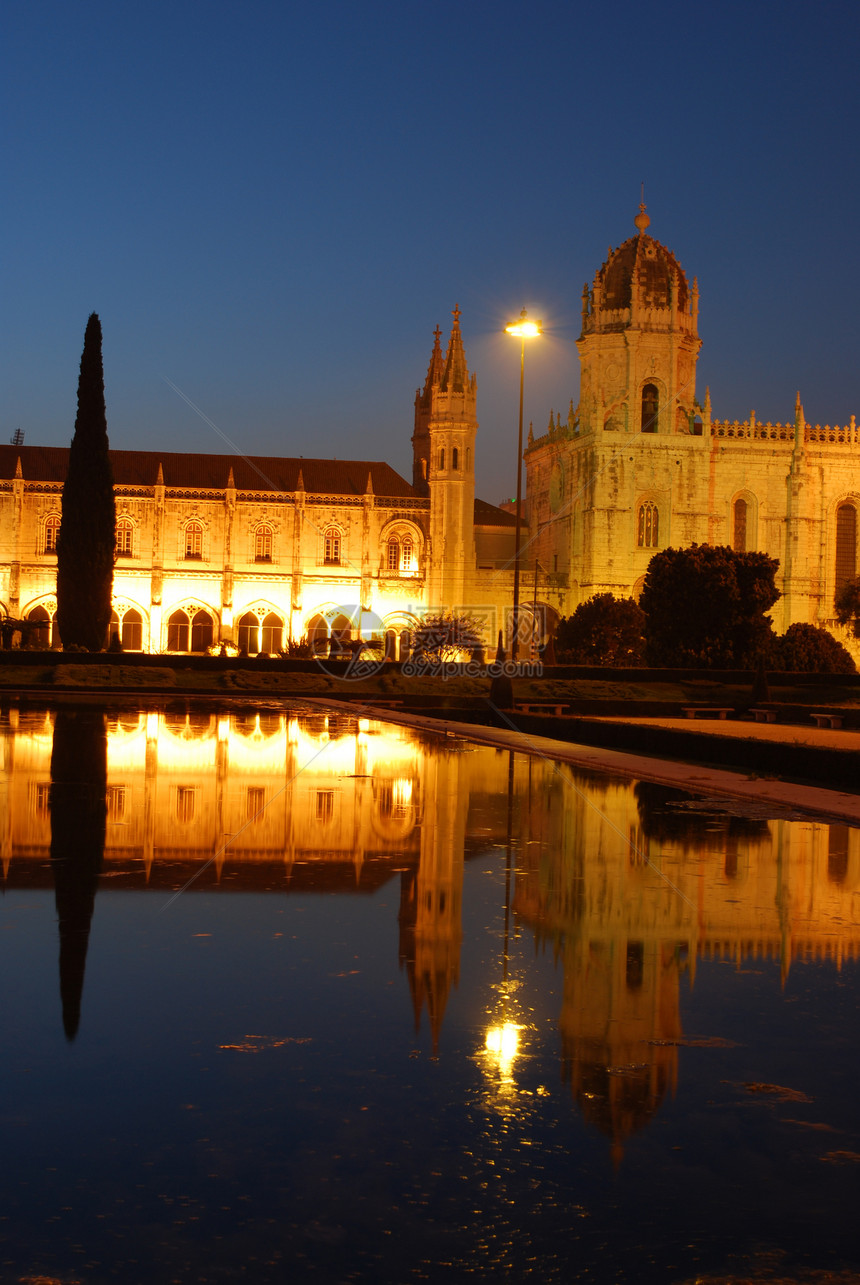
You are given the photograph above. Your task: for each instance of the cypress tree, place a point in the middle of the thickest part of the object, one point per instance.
(87, 535)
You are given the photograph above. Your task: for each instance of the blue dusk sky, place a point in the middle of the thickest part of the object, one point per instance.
(271, 205)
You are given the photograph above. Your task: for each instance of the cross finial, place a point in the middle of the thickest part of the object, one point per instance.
(456, 314)
(437, 335)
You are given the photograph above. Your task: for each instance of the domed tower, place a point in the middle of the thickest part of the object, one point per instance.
(628, 474)
(639, 343)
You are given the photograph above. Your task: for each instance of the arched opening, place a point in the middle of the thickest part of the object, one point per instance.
(248, 634)
(407, 555)
(390, 644)
(393, 555)
(648, 526)
(739, 526)
(650, 408)
(405, 644)
(202, 633)
(45, 633)
(317, 634)
(271, 634)
(341, 633)
(455, 457)
(442, 458)
(113, 629)
(132, 631)
(177, 632)
(846, 544)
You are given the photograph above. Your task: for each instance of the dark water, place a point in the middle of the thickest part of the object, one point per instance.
(324, 1000)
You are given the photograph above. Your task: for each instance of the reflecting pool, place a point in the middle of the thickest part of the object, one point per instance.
(318, 997)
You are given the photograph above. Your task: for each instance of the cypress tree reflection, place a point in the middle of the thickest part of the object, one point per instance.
(78, 792)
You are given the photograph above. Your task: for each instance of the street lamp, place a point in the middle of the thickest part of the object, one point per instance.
(523, 330)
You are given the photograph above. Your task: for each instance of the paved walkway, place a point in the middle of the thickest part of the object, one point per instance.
(782, 796)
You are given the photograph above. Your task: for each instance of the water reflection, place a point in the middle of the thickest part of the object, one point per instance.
(78, 788)
(627, 885)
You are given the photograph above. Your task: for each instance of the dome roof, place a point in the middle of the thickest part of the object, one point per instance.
(656, 267)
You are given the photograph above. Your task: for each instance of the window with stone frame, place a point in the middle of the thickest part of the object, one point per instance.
(393, 555)
(332, 547)
(124, 538)
(846, 544)
(51, 533)
(739, 525)
(263, 544)
(648, 526)
(193, 541)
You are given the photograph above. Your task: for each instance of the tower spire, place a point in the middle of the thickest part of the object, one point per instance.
(455, 376)
(435, 369)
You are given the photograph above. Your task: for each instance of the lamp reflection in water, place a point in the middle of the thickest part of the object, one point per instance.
(502, 1037)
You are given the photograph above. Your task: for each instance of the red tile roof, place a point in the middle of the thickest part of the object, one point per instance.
(210, 472)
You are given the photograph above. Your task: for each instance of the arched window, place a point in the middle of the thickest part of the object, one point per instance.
(331, 554)
(247, 637)
(739, 526)
(393, 555)
(442, 458)
(177, 632)
(648, 533)
(271, 634)
(650, 408)
(263, 544)
(846, 544)
(45, 633)
(405, 644)
(455, 457)
(201, 631)
(124, 538)
(194, 540)
(341, 633)
(132, 631)
(317, 634)
(407, 555)
(113, 628)
(52, 532)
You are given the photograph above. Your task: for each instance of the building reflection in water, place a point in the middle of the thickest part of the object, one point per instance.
(628, 885)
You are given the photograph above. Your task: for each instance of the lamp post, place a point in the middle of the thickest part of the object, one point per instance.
(523, 330)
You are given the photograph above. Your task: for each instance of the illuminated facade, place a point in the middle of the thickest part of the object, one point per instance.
(641, 464)
(258, 551)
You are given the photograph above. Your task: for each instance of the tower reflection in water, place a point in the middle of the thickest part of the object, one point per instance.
(626, 884)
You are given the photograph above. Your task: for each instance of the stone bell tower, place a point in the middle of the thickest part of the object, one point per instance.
(443, 448)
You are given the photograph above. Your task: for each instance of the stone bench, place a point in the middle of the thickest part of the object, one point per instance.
(764, 715)
(706, 711)
(823, 719)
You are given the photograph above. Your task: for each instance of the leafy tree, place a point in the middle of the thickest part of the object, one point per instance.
(811, 649)
(602, 631)
(446, 636)
(848, 606)
(705, 607)
(87, 535)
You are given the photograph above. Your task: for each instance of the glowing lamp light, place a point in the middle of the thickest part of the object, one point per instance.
(525, 329)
